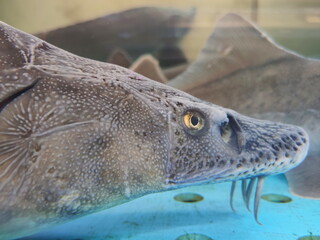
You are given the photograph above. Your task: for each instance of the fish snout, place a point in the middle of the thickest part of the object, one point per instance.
(282, 147)
(273, 148)
(230, 147)
(295, 147)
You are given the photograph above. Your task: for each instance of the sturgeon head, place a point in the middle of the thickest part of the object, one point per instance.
(78, 136)
(242, 68)
(214, 144)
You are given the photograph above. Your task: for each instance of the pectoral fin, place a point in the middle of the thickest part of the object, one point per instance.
(304, 179)
(120, 57)
(149, 66)
(234, 45)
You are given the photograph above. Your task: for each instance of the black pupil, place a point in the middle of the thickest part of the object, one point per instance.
(194, 120)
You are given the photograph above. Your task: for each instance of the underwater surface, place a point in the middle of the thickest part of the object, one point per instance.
(160, 216)
(199, 212)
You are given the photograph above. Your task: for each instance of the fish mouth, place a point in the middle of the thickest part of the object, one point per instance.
(285, 147)
(247, 183)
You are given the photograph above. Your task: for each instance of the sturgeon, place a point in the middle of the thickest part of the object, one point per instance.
(78, 136)
(126, 30)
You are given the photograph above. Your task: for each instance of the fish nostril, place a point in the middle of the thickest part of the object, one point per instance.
(232, 133)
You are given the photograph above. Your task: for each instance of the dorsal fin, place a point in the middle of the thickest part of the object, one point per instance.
(235, 44)
(149, 67)
(120, 57)
(15, 55)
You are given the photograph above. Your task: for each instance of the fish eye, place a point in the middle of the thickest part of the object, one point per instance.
(193, 120)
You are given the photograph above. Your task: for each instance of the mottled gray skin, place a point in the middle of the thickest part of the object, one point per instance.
(241, 68)
(78, 136)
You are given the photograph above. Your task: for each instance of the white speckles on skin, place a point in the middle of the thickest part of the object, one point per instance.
(78, 133)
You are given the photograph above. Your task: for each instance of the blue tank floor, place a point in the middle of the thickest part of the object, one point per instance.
(159, 216)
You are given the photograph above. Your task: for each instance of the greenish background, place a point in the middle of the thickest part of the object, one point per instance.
(294, 24)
